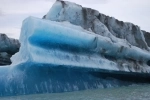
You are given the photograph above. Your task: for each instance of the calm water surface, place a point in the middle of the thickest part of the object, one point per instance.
(135, 92)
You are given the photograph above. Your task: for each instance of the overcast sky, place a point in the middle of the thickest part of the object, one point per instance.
(12, 12)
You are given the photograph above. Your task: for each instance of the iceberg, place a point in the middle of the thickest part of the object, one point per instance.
(8, 47)
(70, 34)
(62, 43)
(75, 48)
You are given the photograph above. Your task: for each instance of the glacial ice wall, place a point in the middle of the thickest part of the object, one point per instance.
(63, 43)
(34, 78)
(124, 33)
(96, 22)
(147, 37)
(8, 47)
(77, 36)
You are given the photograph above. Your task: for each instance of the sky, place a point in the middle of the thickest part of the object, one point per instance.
(13, 12)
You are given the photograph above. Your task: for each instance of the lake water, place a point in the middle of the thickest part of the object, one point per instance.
(134, 92)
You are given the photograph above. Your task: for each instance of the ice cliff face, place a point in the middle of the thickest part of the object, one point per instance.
(98, 23)
(8, 47)
(91, 20)
(73, 35)
(147, 37)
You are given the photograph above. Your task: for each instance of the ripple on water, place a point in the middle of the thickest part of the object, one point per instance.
(135, 92)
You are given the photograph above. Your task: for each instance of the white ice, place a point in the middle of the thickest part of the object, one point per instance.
(39, 37)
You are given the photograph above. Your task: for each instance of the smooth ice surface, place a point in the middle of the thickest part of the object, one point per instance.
(51, 42)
